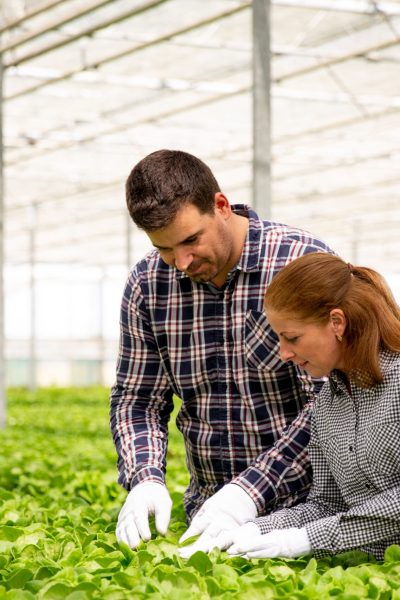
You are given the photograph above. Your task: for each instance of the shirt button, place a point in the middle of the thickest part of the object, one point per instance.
(351, 448)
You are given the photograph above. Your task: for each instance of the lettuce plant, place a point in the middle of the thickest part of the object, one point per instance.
(59, 501)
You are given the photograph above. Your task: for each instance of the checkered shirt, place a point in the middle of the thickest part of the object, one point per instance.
(245, 415)
(354, 501)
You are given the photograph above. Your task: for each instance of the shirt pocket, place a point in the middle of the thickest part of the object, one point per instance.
(331, 452)
(261, 343)
(382, 448)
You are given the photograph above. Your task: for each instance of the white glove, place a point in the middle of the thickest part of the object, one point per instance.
(145, 499)
(229, 507)
(223, 540)
(287, 543)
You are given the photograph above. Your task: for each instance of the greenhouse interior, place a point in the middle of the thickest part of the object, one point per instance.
(295, 106)
(91, 87)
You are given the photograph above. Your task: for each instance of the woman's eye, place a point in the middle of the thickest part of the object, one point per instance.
(292, 340)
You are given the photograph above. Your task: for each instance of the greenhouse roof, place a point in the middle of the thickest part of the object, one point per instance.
(91, 86)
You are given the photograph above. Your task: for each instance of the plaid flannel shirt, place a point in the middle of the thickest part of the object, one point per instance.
(354, 500)
(245, 414)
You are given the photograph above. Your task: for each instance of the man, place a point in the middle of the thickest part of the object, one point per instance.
(192, 324)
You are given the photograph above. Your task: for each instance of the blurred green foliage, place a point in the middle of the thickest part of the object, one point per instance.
(59, 502)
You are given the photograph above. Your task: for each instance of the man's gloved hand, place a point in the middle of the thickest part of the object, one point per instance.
(229, 507)
(287, 543)
(145, 499)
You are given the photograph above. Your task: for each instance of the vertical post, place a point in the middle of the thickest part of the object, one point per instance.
(261, 109)
(101, 340)
(32, 292)
(128, 249)
(355, 240)
(2, 357)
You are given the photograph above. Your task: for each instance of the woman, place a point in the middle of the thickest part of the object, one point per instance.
(341, 321)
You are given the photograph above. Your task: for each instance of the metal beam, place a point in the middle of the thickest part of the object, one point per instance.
(124, 126)
(331, 62)
(261, 109)
(28, 15)
(84, 33)
(56, 24)
(352, 6)
(137, 48)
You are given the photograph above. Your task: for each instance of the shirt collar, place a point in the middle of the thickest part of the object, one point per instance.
(387, 360)
(251, 253)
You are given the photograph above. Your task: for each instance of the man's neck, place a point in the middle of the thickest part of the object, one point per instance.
(240, 226)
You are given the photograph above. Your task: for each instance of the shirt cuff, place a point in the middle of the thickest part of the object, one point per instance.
(324, 535)
(148, 474)
(261, 491)
(265, 524)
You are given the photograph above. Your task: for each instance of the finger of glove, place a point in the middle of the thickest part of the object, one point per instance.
(162, 516)
(141, 520)
(204, 544)
(246, 536)
(128, 533)
(244, 545)
(224, 539)
(221, 524)
(263, 549)
(234, 550)
(207, 541)
(197, 526)
(242, 554)
(125, 510)
(188, 551)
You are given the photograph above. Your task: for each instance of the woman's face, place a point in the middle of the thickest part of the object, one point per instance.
(313, 347)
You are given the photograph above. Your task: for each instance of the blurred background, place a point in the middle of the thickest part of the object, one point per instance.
(294, 104)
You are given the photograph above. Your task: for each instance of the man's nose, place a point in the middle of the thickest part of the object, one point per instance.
(183, 258)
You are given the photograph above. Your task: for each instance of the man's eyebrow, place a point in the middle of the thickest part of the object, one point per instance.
(185, 241)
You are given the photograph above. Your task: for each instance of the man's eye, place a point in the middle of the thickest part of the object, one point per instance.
(292, 340)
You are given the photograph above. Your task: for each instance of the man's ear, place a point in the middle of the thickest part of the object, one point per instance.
(222, 204)
(338, 321)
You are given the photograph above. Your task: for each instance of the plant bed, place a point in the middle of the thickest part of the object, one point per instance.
(59, 502)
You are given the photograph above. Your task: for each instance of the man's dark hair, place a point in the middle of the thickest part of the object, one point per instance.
(163, 182)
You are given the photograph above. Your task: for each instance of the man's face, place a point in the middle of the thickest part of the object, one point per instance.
(200, 245)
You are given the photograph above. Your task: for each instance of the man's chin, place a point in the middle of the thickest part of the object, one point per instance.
(199, 275)
(200, 278)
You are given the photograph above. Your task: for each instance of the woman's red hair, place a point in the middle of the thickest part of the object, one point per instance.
(311, 286)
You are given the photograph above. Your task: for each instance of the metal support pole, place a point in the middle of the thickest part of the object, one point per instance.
(261, 109)
(2, 358)
(32, 291)
(128, 242)
(355, 240)
(101, 340)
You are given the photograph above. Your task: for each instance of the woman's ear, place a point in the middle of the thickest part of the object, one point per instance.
(338, 322)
